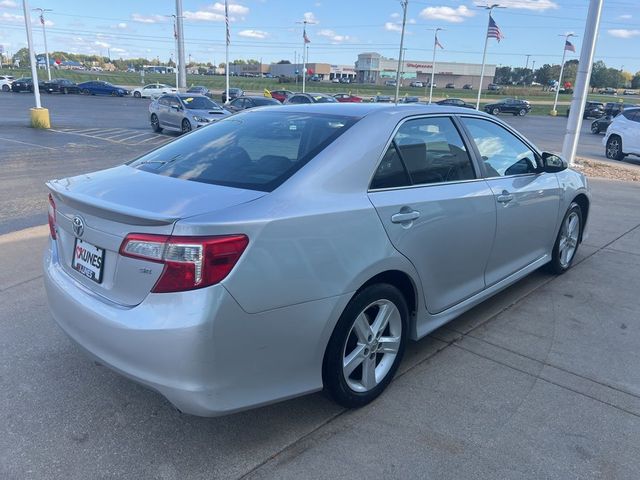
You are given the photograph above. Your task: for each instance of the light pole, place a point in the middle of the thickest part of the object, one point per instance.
(39, 115)
(486, 42)
(572, 135)
(175, 37)
(305, 51)
(404, 4)
(44, 34)
(436, 43)
(182, 71)
(567, 36)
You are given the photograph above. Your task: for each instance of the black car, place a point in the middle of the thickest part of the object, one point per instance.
(492, 87)
(591, 110)
(200, 90)
(450, 85)
(409, 100)
(455, 102)
(298, 98)
(22, 84)
(611, 111)
(246, 101)
(60, 85)
(509, 105)
(467, 86)
(233, 93)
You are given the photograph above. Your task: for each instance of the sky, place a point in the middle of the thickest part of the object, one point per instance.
(267, 30)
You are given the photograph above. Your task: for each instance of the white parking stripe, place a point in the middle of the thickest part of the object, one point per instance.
(115, 135)
(26, 143)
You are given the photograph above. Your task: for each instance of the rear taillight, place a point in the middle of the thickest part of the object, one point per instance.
(51, 213)
(189, 262)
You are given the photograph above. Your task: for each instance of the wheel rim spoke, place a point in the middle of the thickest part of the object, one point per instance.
(355, 358)
(362, 329)
(382, 319)
(389, 344)
(369, 373)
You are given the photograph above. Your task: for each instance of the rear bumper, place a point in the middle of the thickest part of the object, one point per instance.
(199, 349)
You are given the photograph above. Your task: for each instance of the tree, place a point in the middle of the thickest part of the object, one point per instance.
(21, 56)
(635, 81)
(503, 76)
(598, 75)
(284, 62)
(547, 73)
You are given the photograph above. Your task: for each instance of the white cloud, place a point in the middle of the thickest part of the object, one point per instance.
(626, 16)
(253, 34)
(536, 5)
(118, 50)
(8, 4)
(120, 26)
(310, 17)
(215, 13)
(395, 15)
(100, 44)
(447, 14)
(204, 16)
(234, 8)
(136, 17)
(392, 27)
(10, 17)
(333, 36)
(623, 33)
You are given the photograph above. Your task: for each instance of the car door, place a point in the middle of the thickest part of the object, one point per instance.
(174, 113)
(162, 111)
(527, 199)
(436, 208)
(629, 128)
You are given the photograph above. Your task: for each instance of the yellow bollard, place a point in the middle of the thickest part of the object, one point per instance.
(40, 118)
(553, 113)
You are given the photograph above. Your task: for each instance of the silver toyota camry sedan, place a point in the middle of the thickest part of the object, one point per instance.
(281, 251)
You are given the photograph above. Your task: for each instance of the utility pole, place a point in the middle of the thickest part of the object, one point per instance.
(182, 70)
(436, 43)
(572, 135)
(526, 66)
(39, 115)
(305, 51)
(533, 69)
(404, 4)
(175, 37)
(484, 52)
(226, 51)
(44, 34)
(554, 112)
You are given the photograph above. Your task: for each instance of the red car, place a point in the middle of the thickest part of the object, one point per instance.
(281, 95)
(346, 97)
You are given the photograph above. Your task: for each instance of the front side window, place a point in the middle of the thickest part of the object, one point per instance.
(503, 153)
(257, 150)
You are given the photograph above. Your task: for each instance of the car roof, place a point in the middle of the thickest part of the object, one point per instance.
(255, 96)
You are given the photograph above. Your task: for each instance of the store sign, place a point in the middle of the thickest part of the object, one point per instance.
(419, 65)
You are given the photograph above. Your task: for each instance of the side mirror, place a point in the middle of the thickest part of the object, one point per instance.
(177, 108)
(552, 163)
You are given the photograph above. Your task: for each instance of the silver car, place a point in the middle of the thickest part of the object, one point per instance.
(285, 250)
(183, 112)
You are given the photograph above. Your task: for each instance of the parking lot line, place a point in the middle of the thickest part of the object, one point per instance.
(115, 135)
(26, 143)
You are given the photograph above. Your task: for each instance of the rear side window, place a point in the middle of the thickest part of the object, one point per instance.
(633, 115)
(391, 172)
(257, 150)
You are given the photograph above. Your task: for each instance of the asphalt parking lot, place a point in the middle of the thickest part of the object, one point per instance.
(542, 381)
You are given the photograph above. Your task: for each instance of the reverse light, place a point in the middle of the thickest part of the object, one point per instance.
(189, 262)
(51, 214)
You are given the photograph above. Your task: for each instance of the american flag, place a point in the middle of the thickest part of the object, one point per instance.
(304, 35)
(494, 30)
(568, 46)
(226, 20)
(438, 44)
(42, 18)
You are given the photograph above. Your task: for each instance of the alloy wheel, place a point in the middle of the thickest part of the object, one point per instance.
(569, 239)
(186, 126)
(371, 346)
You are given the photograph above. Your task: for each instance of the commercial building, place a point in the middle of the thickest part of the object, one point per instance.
(375, 69)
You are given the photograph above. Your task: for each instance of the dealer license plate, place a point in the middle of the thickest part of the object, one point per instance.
(88, 260)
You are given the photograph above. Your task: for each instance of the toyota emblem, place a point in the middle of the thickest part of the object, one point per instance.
(78, 226)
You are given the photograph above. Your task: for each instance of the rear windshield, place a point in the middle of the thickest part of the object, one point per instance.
(256, 150)
(198, 103)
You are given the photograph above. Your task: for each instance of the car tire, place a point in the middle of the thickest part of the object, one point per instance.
(613, 150)
(65, 91)
(495, 111)
(85, 91)
(5, 88)
(377, 312)
(137, 94)
(186, 126)
(595, 128)
(114, 94)
(567, 241)
(155, 123)
(522, 112)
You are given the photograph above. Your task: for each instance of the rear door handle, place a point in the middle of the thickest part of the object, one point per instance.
(505, 197)
(405, 217)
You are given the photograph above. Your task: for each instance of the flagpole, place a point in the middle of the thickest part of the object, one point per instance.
(226, 52)
(304, 57)
(554, 112)
(484, 52)
(433, 63)
(404, 4)
(44, 34)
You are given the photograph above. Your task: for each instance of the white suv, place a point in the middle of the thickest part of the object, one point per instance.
(5, 82)
(623, 135)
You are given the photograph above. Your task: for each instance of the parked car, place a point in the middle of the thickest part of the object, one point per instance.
(345, 80)
(286, 250)
(153, 90)
(233, 93)
(250, 101)
(416, 84)
(382, 99)
(97, 87)
(60, 85)
(623, 135)
(611, 111)
(298, 98)
(508, 105)
(467, 86)
(630, 92)
(200, 90)
(5, 82)
(347, 98)
(408, 99)
(281, 95)
(608, 91)
(492, 87)
(184, 112)
(390, 83)
(450, 85)
(335, 80)
(591, 110)
(22, 84)
(455, 102)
